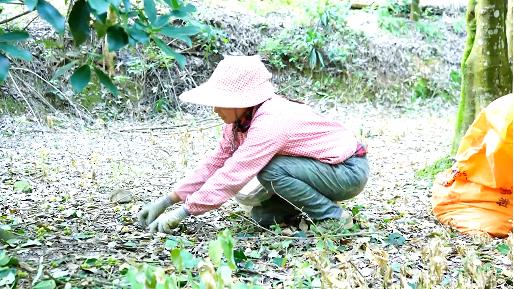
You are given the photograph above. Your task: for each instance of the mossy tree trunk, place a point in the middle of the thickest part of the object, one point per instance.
(415, 11)
(486, 72)
(510, 7)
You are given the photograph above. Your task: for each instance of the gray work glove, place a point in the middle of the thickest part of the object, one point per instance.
(151, 211)
(166, 222)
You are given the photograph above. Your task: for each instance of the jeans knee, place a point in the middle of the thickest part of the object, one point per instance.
(271, 172)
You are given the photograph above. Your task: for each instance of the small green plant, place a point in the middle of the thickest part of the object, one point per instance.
(421, 89)
(210, 39)
(394, 25)
(432, 170)
(8, 270)
(429, 29)
(190, 272)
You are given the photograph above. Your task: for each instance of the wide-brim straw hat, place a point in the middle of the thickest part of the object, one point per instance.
(237, 82)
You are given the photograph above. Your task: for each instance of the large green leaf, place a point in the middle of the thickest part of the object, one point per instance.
(15, 51)
(4, 68)
(80, 78)
(161, 21)
(106, 81)
(51, 15)
(150, 10)
(100, 6)
(31, 4)
(181, 33)
(63, 69)
(117, 37)
(79, 21)
(138, 34)
(182, 30)
(181, 60)
(14, 36)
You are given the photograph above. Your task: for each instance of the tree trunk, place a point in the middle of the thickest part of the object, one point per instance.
(486, 73)
(414, 10)
(510, 7)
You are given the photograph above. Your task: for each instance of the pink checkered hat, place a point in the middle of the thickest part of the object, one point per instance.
(237, 81)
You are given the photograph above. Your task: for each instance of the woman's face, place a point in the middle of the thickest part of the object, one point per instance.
(229, 115)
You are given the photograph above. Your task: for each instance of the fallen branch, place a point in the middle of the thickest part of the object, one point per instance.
(14, 17)
(24, 98)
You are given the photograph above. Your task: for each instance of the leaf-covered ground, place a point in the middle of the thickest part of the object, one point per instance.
(56, 183)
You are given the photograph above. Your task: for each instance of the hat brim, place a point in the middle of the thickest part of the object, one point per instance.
(205, 94)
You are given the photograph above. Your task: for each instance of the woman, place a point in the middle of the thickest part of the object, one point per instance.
(305, 162)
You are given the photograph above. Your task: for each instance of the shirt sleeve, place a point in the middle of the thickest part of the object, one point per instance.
(264, 140)
(207, 166)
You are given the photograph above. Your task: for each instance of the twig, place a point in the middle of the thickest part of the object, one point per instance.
(25, 99)
(30, 22)
(39, 271)
(40, 96)
(163, 127)
(259, 225)
(152, 127)
(58, 90)
(15, 17)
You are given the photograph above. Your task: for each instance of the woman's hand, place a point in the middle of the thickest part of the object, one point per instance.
(151, 211)
(166, 222)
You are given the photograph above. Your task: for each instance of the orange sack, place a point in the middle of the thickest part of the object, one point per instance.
(475, 195)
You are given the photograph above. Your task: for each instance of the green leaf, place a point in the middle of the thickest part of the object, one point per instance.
(51, 15)
(504, 249)
(4, 68)
(176, 258)
(181, 33)
(31, 4)
(161, 21)
(14, 36)
(227, 243)
(181, 60)
(6, 235)
(126, 5)
(215, 252)
(150, 10)
(63, 69)
(170, 244)
(79, 21)
(183, 11)
(80, 78)
(182, 30)
(312, 58)
(395, 239)
(117, 38)
(4, 259)
(45, 284)
(16, 52)
(7, 277)
(22, 186)
(138, 35)
(174, 4)
(100, 6)
(106, 81)
(100, 28)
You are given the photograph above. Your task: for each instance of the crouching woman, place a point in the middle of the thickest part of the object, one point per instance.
(303, 161)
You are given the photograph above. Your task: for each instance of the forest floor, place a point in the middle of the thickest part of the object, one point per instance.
(56, 184)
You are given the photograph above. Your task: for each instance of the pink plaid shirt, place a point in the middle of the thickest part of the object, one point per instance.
(278, 127)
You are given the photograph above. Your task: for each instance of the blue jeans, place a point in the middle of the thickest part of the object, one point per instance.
(309, 185)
